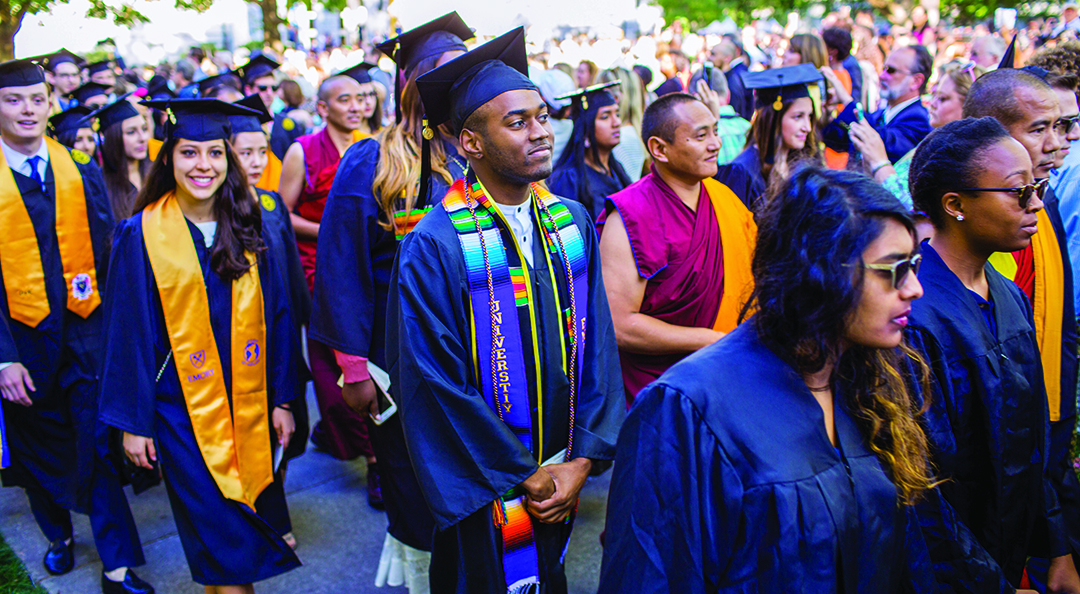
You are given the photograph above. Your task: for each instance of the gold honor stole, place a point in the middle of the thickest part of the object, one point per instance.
(235, 444)
(271, 175)
(738, 234)
(20, 256)
(153, 147)
(1049, 308)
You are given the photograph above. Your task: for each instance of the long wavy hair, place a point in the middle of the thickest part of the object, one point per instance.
(396, 181)
(776, 160)
(807, 286)
(114, 168)
(239, 218)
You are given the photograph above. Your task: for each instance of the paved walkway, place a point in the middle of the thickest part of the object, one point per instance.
(340, 536)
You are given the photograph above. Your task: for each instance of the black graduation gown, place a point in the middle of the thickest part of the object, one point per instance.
(465, 457)
(352, 281)
(57, 443)
(725, 481)
(225, 543)
(573, 180)
(743, 176)
(988, 425)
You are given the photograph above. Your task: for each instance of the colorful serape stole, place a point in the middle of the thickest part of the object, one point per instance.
(404, 222)
(496, 288)
(5, 457)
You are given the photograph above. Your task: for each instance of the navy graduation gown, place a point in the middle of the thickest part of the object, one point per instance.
(224, 542)
(283, 133)
(56, 443)
(725, 481)
(743, 176)
(568, 180)
(352, 282)
(988, 426)
(465, 457)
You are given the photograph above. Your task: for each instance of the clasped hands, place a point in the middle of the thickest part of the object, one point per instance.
(552, 491)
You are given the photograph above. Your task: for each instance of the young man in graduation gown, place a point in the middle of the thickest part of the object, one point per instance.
(675, 246)
(1043, 269)
(307, 174)
(53, 254)
(499, 338)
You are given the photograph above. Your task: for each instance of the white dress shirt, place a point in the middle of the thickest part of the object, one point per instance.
(519, 217)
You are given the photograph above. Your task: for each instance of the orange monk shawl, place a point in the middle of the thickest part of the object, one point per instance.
(735, 221)
(1049, 308)
(234, 444)
(20, 255)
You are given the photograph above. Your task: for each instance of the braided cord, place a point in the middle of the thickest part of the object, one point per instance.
(471, 204)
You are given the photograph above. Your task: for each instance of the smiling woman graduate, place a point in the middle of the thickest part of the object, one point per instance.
(200, 356)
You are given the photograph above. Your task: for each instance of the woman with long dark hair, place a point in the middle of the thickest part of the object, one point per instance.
(586, 170)
(374, 202)
(783, 132)
(125, 163)
(988, 420)
(200, 360)
(74, 129)
(790, 451)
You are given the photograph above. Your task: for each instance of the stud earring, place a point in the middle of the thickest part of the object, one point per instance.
(960, 217)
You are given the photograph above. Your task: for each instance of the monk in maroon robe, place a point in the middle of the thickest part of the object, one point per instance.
(675, 246)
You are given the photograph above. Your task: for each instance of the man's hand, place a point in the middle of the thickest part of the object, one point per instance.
(361, 397)
(1061, 578)
(709, 97)
(284, 425)
(14, 379)
(539, 486)
(140, 450)
(841, 94)
(569, 478)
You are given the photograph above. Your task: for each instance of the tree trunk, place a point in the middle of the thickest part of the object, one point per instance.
(9, 26)
(270, 21)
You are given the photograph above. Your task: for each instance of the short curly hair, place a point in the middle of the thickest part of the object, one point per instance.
(948, 159)
(1064, 58)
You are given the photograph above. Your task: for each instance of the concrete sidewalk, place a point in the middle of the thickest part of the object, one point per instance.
(340, 536)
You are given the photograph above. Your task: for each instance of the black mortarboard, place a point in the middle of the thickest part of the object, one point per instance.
(198, 120)
(585, 104)
(89, 91)
(360, 73)
(590, 99)
(257, 67)
(70, 119)
(51, 61)
(115, 113)
(227, 78)
(96, 67)
(453, 91)
(1008, 60)
(158, 88)
(20, 73)
(778, 85)
(444, 34)
(253, 122)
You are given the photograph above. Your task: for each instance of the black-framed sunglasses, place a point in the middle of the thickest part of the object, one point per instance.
(899, 269)
(1024, 193)
(264, 88)
(894, 70)
(1066, 125)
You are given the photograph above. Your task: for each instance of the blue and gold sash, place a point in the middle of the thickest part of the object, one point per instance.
(499, 284)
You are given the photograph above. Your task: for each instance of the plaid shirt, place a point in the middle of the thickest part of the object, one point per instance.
(731, 128)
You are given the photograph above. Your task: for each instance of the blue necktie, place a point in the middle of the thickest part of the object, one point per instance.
(34, 175)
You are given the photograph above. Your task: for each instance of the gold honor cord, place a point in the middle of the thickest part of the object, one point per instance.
(234, 444)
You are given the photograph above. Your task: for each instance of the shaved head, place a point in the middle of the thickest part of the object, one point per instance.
(337, 85)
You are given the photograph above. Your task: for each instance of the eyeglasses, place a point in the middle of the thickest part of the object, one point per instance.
(1066, 125)
(1024, 193)
(264, 88)
(894, 70)
(899, 269)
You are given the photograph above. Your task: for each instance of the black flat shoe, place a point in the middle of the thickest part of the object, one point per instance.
(374, 487)
(60, 557)
(132, 584)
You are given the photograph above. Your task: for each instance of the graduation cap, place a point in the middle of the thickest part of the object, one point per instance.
(253, 122)
(51, 61)
(89, 91)
(444, 34)
(1009, 59)
(115, 112)
(158, 88)
(778, 85)
(257, 67)
(97, 67)
(453, 91)
(198, 120)
(20, 73)
(227, 78)
(70, 119)
(361, 73)
(591, 99)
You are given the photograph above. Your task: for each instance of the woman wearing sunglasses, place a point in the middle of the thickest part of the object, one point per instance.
(788, 452)
(987, 419)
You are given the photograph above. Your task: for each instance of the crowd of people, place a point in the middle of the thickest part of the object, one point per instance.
(809, 297)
